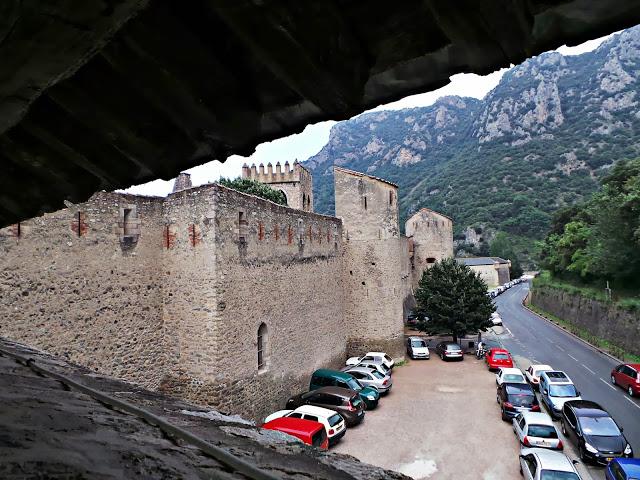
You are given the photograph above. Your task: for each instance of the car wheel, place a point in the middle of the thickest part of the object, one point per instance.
(583, 456)
(564, 428)
(441, 356)
(613, 379)
(497, 399)
(504, 416)
(630, 391)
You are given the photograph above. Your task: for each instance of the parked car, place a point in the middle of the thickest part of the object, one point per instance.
(515, 398)
(379, 366)
(627, 376)
(370, 377)
(533, 374)
(332, 421)
(498, 358)
(342, 400)
(509, 375)
(593, 431)
(417, 348)
(375, 356)
(496, 319)
(544, 464)
(555, 389)
(334, 378)
(412, 320)
(623, 469)
(449, 351)
(311, 433)
(536, 429)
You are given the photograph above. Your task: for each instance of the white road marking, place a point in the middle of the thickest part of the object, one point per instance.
(588, 369)
(572, 357)
(632, 402)
(608, 384)
(559, 347)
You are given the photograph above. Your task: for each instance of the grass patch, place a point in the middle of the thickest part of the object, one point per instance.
(601, 343)
(625, 299)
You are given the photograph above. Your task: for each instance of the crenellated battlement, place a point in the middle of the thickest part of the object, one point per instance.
(296, 183)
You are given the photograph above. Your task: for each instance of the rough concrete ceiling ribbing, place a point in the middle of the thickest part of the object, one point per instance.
(104, 94)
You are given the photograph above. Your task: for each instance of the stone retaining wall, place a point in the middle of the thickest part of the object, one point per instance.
(607, 321)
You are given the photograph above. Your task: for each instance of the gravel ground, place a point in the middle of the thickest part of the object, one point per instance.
(440, 421)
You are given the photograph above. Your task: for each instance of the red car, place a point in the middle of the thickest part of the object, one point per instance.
(627, 376)
(499, 358)
(310, 432)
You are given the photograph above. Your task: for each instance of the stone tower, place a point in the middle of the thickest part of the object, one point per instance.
(430, 238)
(296, 183)
(376, 266)
(183, 182)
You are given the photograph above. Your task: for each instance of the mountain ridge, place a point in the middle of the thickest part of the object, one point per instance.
(538, 141)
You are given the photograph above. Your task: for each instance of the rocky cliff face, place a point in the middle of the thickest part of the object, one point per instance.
(540, 140)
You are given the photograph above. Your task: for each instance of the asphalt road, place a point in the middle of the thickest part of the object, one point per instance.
(532, 338)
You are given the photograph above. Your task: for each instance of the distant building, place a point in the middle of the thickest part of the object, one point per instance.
(296, 183)
(493, 270)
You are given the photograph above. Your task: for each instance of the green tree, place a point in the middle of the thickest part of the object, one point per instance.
(454, 299)
(252, 187)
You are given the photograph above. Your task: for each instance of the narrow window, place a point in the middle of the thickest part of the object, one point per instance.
(365, 203)
(260, 231)
(242, 227)
(127, 216)
(262, 346)
(390, 198)
(431, 260)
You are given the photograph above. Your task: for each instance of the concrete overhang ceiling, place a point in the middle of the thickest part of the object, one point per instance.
(102, 94)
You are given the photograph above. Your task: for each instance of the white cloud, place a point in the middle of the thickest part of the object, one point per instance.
(314, 137)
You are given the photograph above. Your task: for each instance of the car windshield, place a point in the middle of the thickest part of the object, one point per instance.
(334, 419)
(542, 431)
(500, 356)
(377, 374)
(355, 402)
(556, 475)
(453, 347)
(513, 377)
(418, 343)
(563, 391)
(354, 384)
(599, 426)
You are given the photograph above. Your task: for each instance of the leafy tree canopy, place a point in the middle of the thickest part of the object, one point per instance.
(252, 187)
(599, 240)
(454, 299)
(502, 246)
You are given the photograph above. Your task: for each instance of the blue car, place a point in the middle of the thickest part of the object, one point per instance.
(623, 469)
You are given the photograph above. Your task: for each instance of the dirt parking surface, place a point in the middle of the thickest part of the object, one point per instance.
(440, 421)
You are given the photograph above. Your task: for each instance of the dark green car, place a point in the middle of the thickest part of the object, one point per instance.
(335, 378)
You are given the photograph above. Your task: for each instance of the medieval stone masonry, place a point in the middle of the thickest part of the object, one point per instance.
(210, 294)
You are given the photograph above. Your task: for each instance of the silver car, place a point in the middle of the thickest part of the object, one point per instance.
(379, 366)
(370, 377)
(540, 464)
(536, 429)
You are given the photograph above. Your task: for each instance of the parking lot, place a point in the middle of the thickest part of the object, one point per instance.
(439, 421)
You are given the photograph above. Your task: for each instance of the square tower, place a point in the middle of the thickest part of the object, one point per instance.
(296, 183)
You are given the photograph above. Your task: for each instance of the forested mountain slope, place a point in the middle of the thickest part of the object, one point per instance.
(538, 141)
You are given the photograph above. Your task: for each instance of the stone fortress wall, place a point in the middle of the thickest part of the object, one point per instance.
(376, 263)
(73, 284)
(429, 236)
(173, 293)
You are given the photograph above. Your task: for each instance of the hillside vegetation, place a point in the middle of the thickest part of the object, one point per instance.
(538, 142)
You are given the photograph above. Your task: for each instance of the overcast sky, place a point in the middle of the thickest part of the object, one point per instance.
(303, 145)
